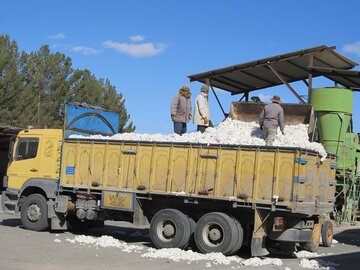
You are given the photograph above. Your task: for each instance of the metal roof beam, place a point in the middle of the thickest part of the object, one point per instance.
(256, 77)
(297, 66)
(345, 78)
(233, 83)
(342, 59)
(321, 61)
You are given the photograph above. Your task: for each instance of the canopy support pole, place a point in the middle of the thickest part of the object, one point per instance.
(311, 63)
(277, 74)
(218, 101)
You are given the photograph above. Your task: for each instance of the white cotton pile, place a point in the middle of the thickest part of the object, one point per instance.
(258, 262)
(311, 264)
(317, 264)
(177, 255)
(214, 258)
(105, 241)
(230, 132)
(306, 254)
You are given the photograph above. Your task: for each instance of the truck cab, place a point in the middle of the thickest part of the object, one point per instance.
(34, 162)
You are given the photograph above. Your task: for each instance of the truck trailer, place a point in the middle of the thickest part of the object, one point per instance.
(220, 197)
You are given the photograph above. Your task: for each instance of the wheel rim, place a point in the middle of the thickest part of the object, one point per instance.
(213, 234)
(329, 233)
(166, 230)
(33, 212)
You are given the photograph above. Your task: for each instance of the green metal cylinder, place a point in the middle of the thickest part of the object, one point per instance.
(334, 111)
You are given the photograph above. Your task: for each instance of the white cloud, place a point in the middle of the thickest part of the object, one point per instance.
(84, 50)
(352, 48)
(57, 36)
(137, 38)
(59, 46)
(136, 50)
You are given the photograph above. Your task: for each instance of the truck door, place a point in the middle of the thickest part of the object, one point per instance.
(25, 161)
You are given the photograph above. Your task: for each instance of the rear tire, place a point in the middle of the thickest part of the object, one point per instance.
(34, 213)
(327, 233)
(216, 232)
(240, 237)
(170, 228)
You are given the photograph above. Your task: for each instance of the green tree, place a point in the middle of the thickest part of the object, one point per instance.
(46, 84)
(11, 81)
(33, 86)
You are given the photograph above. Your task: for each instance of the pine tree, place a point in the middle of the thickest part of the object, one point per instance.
(11, 81)
(33, 86)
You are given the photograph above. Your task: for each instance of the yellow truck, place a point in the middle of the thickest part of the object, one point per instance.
(222, 196)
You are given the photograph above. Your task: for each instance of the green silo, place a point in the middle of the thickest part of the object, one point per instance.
(334, 107)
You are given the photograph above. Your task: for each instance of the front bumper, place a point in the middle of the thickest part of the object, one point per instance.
(10, 201)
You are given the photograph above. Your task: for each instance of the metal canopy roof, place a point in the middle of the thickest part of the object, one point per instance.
(347, 78)
(260, 74)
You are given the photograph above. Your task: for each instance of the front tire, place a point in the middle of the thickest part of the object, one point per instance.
(34, 213)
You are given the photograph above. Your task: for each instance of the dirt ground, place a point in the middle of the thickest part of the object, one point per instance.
(23, 249)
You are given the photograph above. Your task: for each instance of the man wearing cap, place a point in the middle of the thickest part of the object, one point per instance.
(270, 118)
(201, 112)
(181, 110)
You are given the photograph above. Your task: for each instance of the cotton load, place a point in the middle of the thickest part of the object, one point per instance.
(230, 131)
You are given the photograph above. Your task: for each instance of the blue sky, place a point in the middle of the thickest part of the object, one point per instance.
(148, 48)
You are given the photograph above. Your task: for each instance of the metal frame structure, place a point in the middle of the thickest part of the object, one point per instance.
(276, 70)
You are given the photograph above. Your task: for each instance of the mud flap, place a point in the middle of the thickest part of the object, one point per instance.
(258, 247)
(58, 222)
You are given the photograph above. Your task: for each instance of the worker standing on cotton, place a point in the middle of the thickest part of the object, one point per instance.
(270, 118)
(181, 110)
(201, 111)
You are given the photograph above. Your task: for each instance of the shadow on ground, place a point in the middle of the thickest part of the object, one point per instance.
(349, 237)
(11, 222)
(348, 261)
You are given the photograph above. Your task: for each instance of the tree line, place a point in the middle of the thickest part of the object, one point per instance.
(34, 85)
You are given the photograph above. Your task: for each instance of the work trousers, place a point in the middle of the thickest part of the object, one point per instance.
(269, 135)
(179, 128)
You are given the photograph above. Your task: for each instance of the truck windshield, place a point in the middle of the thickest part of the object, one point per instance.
(26, 148)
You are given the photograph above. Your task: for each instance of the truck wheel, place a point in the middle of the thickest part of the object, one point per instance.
(34, 213)
(216, 232)
(240, 237)
(170, 228)
(313, 245)
(327, 233)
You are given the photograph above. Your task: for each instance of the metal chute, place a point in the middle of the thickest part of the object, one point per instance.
(293, 113)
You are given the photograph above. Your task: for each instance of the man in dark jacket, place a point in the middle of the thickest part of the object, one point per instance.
(181, 110)
(270, 118)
